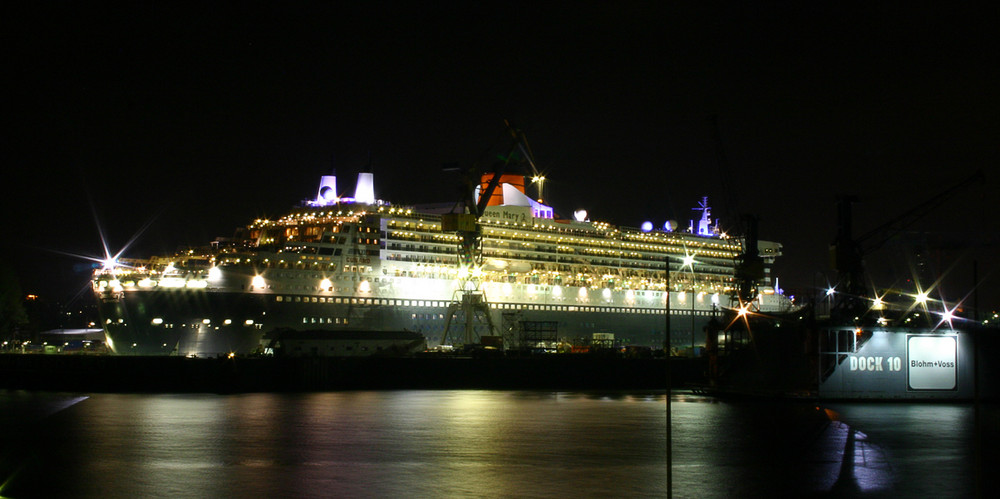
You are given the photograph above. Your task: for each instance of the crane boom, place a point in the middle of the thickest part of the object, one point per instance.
(847, 252)
(521, 142)
(748, 265)
(878, 236)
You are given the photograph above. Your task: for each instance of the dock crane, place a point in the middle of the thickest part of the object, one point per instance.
(521, 142)
(847, 252)
(464, 222)
(749, 266)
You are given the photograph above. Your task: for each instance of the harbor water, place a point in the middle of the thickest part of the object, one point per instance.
(467, 443)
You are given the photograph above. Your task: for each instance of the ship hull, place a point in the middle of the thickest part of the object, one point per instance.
(203, 323)
(182, 322)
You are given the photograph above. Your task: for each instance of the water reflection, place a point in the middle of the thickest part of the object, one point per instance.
(923, 448)
(478, 443)
(863, 466)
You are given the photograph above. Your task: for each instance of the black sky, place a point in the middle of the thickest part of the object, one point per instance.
(194, 119)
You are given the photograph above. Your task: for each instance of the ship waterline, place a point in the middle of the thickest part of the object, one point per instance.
(339, 264)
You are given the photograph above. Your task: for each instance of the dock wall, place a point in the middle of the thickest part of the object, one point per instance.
(81, 373)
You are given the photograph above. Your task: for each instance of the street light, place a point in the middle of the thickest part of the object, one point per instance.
(689, 263)
(693, 298)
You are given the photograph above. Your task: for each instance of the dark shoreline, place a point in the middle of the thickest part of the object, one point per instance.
(163, 374)
(106, 373)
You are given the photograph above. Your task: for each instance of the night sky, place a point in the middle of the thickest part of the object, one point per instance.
(190, 120)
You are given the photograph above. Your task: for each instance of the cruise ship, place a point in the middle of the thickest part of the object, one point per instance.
(361, 264)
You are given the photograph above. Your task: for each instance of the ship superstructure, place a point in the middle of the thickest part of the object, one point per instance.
(339, 263)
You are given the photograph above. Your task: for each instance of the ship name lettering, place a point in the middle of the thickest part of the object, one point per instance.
(514, 217)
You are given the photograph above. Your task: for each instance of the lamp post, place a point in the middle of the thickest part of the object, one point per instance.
(670, 464)
(692, 321)
(666, 306)
(689, 263)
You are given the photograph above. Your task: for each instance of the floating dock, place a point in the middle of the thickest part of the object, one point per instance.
(903, 363)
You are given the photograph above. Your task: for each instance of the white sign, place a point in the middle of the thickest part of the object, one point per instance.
(932, 362)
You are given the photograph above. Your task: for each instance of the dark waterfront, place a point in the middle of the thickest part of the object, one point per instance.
(460, 443)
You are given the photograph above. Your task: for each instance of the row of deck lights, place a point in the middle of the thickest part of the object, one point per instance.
(665, 244)
(158, 321)
(325, 284)
(258, 282)
(215, 273)
(295, 217)
(600, 225)
(619, 252)
(675, 240)
(664, 249)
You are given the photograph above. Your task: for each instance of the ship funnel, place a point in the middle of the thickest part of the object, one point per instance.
(500, 197)
(365, 191)
(327, 190)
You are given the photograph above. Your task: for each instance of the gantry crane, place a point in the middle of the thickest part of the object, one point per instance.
(464, 221)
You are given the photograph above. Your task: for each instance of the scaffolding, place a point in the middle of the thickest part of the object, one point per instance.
(539, 334)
